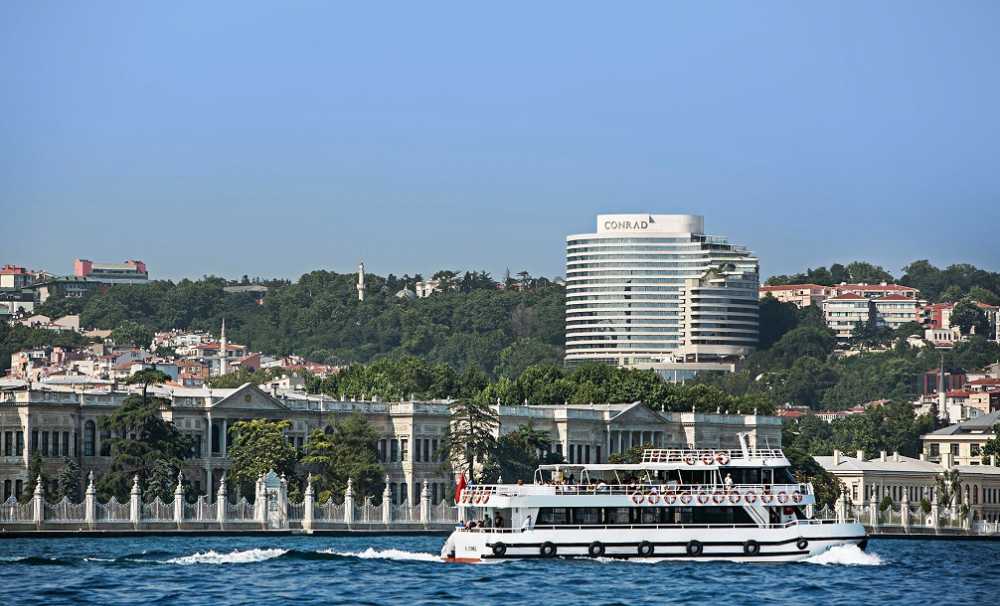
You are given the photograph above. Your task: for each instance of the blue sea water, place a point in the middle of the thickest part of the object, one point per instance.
(406, 570)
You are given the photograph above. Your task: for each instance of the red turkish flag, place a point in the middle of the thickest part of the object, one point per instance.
(459, 488)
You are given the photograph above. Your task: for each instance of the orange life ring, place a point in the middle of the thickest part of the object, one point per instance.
(722, 458)
(637, 497)
(797, 496)
(782, 497)
(708, 458)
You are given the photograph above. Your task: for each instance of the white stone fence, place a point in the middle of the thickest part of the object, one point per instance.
(270, 510)
(908, 517)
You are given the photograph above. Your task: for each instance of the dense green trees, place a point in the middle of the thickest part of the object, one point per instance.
(890, 427)
(969, 318)
(260, 446)
(518, 454)
(345, 451)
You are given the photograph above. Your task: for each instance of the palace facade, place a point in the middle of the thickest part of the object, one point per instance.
(61, 423)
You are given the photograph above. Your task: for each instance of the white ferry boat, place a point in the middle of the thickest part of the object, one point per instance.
(735, 505)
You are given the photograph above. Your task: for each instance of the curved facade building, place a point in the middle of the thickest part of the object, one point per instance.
(653, 291)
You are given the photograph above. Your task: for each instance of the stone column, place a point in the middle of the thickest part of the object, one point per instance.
(349, 503)
(90, 502)
(386, 503)
(904, 512)
(135, 504)
(282, 504)
(935, 515)
(38, 504)
(259, 501)
(425, 505)
(873, 513)
(224, 439)
(179, 499)
(220, 502)
(307, 505)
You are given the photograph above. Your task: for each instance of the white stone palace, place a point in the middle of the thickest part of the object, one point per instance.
(65, 422)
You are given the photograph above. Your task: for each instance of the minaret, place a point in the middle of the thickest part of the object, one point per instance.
(361, 281)
(223, 350)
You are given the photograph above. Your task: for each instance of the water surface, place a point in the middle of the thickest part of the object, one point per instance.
(406, 570)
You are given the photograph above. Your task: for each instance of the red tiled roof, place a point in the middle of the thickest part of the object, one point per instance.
(958, 393)
(885, 287)
(895, 298)
(770, 287)
(985, 381)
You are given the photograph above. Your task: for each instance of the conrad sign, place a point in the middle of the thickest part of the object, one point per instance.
(613, 225)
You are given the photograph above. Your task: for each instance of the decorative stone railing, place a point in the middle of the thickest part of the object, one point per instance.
(269, 510)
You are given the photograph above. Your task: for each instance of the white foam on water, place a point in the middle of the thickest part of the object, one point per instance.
(845, 555)
(387, 554)
(234, 557)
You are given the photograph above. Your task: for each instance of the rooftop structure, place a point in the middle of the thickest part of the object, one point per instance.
(129, 272)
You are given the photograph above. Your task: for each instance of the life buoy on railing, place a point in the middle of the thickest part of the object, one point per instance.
(703, 498)
(653, 497)
(797, 496)
(750, 496)
(689, 460)
(782, 497)
(722, 458)
(686, 499)
(766, 497)
(670, 499)
(708, 458)
(637, 497)
(734, 498)
(718, 497)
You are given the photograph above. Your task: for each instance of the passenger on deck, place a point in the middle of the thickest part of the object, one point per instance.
(728, 481)
(498, 521)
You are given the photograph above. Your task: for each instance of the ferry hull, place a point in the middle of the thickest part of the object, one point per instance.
(728, 544)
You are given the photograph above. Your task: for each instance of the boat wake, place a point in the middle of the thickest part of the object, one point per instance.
(846, 555)
(386, 554)
(248, 556)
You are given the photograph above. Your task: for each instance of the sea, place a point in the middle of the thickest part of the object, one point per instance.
(405, 570)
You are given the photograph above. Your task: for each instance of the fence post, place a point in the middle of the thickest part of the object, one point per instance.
(349, 503)
(179, 499)
(386, 503)
(38, 503)
(260, 501)
(425, 505)
(90, 502)
(220, 503)
(282, 504)
(873, 513)
(307, 505)
(904, 512)
(135, 504)
(935, 515)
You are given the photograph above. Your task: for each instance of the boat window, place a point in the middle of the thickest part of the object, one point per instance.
(721, 515)
(616, 515)
(586, 515)
(550, 516)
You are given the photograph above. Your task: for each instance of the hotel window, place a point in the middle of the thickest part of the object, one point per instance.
(65, 446)
(954, 449)
(45, 443)
(975, 449)
(427, 450)
(55, 443)
(416, 450)
(89, 434)
(402, 491)
(434, 450)
(597, 455)
(935, 450)
(34, 441)
(6, 489)
(404, 450)
(381, 451)
(197, 445)
(20, 443)
(393, 451)
(18, 487)
(586, 454)
(8, 448)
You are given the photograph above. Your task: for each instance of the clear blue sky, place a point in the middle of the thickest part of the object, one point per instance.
(274, 138)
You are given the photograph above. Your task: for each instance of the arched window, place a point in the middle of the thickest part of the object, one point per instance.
(89, 435)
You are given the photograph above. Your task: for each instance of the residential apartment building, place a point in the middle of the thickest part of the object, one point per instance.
(801, 295)
(654, 291)
(843, 313)
(14, 277)
(129, 272)
(60, 423)
(894, 311)
(962, 441)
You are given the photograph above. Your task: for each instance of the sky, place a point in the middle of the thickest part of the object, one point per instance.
(275, 138)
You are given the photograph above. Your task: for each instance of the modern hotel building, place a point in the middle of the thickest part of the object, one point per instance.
(654, 291)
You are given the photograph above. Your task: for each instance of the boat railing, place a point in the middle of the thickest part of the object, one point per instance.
(475, 492)
(784, 525)
(708, 456)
